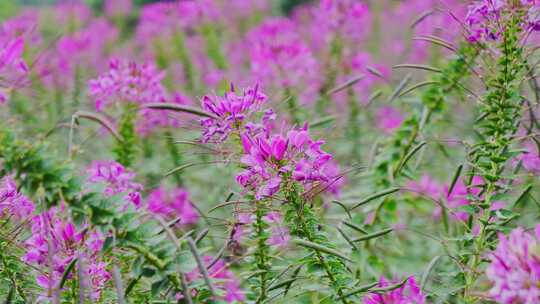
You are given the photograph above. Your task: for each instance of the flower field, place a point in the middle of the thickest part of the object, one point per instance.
(270, 151)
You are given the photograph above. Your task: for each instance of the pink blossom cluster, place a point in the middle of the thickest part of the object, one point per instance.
(389, 119)
(173, 204)
(55, 243)
(232, 111)
(279, 58)
(487, 19)
(116, 179)
(12, 202)
(409, 293)
(271, 160)
(127, 82)
(515, 268)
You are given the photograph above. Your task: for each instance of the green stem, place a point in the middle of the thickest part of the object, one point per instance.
(262, 258)
(126, 149)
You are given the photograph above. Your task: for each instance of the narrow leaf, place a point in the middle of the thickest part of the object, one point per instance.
(399, 88)
(417, 66)
(374, 235)
(345, 85)
(428, 270)
(100, 119)
(454, 180)
(522, 195)
(321, 248)
(355, 227)
(375, 196)
(417, 86)
(407, 157)
(177, 108)
(68, 270)
(361, 289)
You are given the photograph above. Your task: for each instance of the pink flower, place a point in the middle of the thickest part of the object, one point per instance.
(458, 197)
(487, 19)
(55, 242)
(270, 159)
(173, 204)
(409, 293)
(515, 268)
(389, 119)
(280, 59)
(127, 82)
(12, 202)
(116, 179)
(232, 112)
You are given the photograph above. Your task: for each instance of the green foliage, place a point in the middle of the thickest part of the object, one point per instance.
(126, 148)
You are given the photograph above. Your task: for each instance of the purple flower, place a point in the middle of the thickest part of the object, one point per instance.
(232, 112)
(173, 204)
(487, 19)
(116, 179)
(279, 59)
(127, 82)
(279, 233)
(515, 268)
(56, 237)
(409, 293)
(12, 202)
(530, 159)
(426, 186)
(269, 160)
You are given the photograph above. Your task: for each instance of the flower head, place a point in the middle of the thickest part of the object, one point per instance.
(127, 82)
(231, 110)
(515, 268)
(173, 204)
(12, 202)
(55, 242)
(116, 179)
(270, 160)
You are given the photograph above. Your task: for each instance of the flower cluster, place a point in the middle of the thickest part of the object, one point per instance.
(12, 202)
(280, 59)
(173, 204)
(127, 82)
(409, 293)
(487, 19)
(231, 111)
(270, 160)
(515, 268)
(55, 243)
(116, 179)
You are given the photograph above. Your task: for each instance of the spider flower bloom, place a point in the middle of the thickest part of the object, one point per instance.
(55, 242)
(12, 202)
(530, 159)
(116, 179)
(487, 19)
(127, 82)
(515, 268)
(409, 293)
(231, 111)
(270, 160)
(173, 204)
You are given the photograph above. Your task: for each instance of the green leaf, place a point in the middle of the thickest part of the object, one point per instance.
(375, 196)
